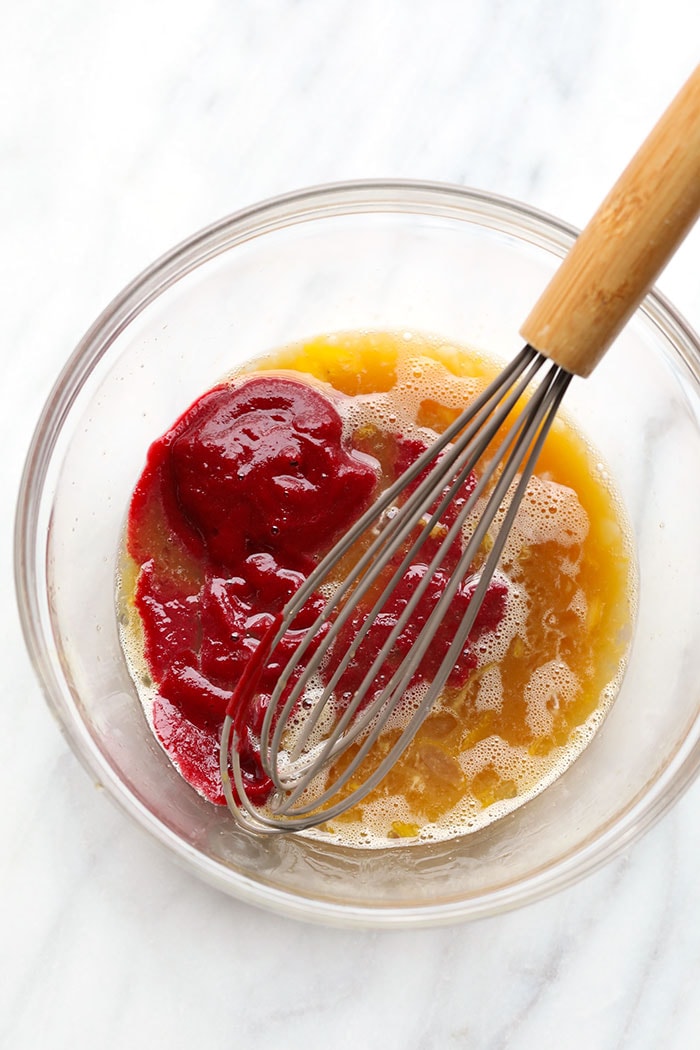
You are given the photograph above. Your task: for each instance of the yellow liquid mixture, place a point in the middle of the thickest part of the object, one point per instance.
(549, 671)
(556, 662)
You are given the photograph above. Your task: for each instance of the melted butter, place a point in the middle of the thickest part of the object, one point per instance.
(546, 679)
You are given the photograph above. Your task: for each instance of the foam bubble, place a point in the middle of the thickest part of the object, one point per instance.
(493, 645)
(579, 605)
(551, 686)
(490, 694)
(549, 513)
(419, 378)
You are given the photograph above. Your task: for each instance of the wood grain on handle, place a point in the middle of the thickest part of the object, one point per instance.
(624, 247)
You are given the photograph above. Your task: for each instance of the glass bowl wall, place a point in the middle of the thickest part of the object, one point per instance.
(466, 266)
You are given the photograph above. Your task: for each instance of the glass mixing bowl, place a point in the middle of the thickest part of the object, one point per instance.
(439, 259)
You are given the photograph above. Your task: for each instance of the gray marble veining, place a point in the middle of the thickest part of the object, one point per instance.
(123, 128)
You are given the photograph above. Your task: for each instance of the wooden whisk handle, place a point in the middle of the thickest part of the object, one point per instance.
(624, 247)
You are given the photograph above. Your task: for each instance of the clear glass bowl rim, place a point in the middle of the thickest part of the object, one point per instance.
(343, 198)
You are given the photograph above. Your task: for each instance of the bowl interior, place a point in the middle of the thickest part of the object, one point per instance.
(433, 259)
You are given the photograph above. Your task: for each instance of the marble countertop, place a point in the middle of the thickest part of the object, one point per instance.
(123, 128)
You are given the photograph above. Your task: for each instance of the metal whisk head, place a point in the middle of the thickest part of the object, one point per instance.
(305, 794)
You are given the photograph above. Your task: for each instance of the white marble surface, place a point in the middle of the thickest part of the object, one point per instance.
(123, 128)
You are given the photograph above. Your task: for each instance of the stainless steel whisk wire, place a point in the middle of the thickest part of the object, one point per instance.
(463, 444)
(596, 288)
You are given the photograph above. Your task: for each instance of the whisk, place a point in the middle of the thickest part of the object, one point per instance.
(595, 290)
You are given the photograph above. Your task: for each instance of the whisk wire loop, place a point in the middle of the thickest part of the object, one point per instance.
(339, 740)
(380, 553)
(524, 432)
(463, 444)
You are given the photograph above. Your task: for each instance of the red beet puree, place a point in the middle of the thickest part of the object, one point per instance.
(236, 504)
